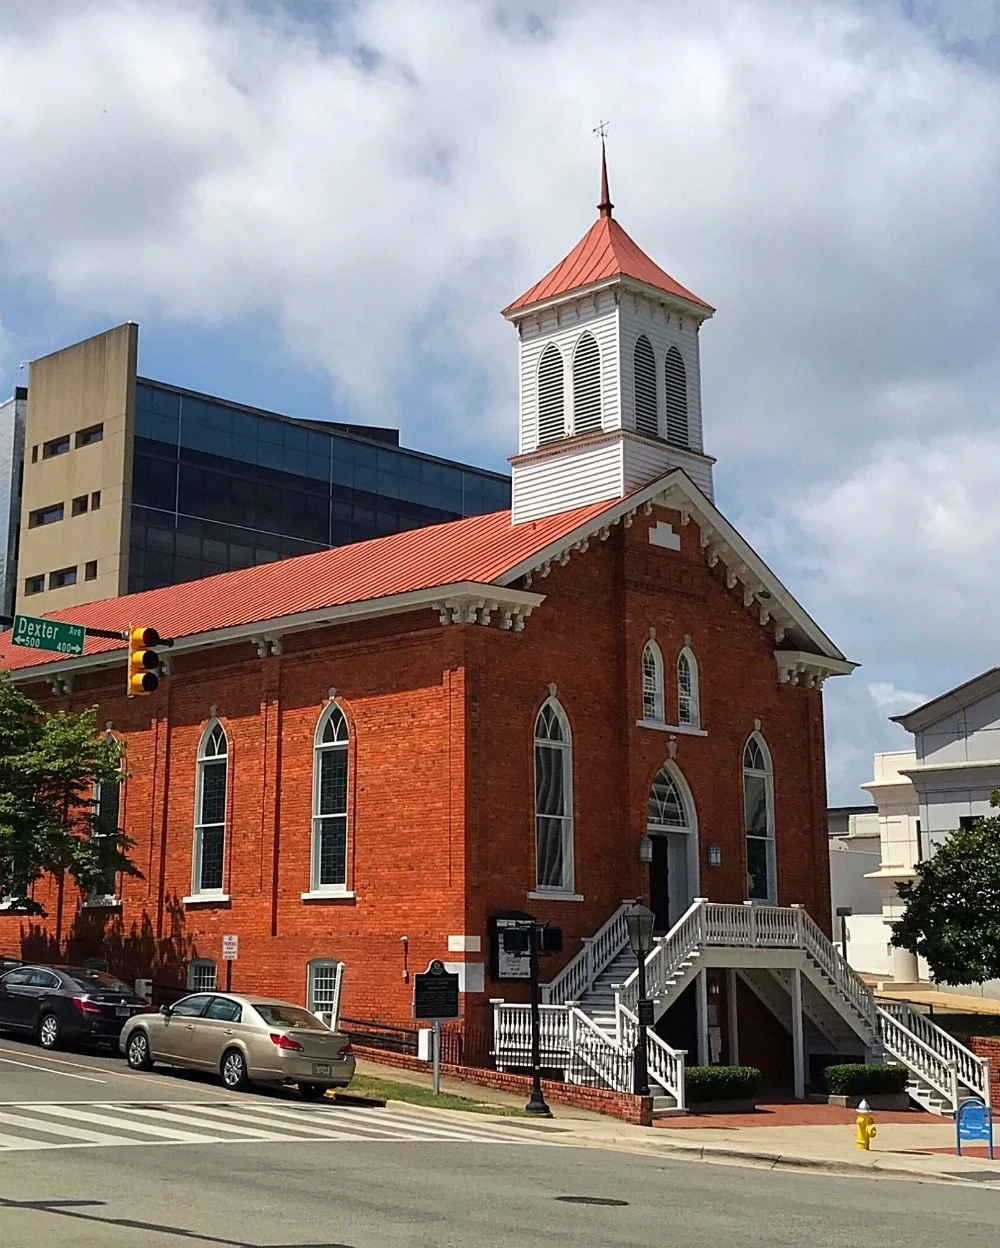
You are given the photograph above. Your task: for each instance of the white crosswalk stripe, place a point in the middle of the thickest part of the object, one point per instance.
(98, 1124)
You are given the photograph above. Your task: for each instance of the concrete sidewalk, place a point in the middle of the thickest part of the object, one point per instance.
(902, 1149)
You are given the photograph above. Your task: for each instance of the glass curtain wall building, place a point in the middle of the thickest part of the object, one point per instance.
(216, 485)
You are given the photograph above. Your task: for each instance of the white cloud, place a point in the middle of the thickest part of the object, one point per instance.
(894, 701)
(378, 183)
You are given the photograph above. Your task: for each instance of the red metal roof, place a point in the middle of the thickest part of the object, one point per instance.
(604, 251)
(478, 548)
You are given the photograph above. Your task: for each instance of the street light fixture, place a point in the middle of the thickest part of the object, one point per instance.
(639, 921)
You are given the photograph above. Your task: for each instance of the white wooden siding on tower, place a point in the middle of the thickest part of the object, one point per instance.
(567, 476)
(664, 328)
(563, 327)
(644, 460)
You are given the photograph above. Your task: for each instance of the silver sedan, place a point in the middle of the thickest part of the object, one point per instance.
(245, 1039)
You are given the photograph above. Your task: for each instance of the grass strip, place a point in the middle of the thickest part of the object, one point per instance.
(417, 1094)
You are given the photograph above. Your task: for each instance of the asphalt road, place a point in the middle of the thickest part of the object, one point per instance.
(87, 1158)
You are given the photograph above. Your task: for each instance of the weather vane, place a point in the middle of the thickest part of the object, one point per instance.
(601, 130)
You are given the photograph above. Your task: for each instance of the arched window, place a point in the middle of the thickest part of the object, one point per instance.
(688, 710)
(758, 805)
(210, 810)
(652, 682)
(586, 385)
(667, 807)
(105, 833)
(551, 401)
(644, 378)
(325, 979)
(329, 837)
(677, 399)
(553, 800)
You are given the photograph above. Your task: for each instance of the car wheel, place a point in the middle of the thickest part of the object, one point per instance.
(312, 1091)
(137, 1051)
(49, 1033)
(234, 1071)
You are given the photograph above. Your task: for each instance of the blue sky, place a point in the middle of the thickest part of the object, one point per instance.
(320, 208)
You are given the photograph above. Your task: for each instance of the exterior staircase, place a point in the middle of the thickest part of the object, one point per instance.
(589, 1010)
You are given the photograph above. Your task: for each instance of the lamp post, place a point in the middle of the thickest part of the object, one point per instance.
(639, 920)
(844, 913)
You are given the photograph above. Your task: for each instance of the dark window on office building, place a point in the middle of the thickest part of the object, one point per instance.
(34, 585)
(45, 515)
(90, 570)
(62, 578)
(80, 505)
(216, 487)
(58, 446)
(87, 437)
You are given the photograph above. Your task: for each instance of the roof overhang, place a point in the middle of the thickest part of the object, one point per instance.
(957, 699)
(460, 602)
(689, 307)
(722, 544)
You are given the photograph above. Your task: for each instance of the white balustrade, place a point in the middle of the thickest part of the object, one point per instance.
(578, 975)
(972, 1071)
(664, 1064)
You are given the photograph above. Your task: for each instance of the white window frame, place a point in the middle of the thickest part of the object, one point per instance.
(655, 432)
(197, 966)
(565, 750)
(556, 353)
(692, 719)
(197, 892)
(767, 774)
(652, 683)
(599, 425)
(320, 748)
(333, 1009)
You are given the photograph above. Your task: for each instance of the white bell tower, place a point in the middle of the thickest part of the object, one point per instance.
(610, 380)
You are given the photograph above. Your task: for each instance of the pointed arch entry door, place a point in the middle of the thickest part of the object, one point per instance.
(672, 828)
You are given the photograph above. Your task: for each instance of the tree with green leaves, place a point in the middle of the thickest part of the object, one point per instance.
(952, 915)
(52, 769)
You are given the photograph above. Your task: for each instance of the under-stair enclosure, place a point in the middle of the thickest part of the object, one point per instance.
(589, 1011)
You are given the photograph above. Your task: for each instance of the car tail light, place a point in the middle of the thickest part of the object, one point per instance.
(285, 1042)
(347, 1051)
(86, 1006)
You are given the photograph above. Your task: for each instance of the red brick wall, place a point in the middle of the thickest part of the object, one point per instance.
(441, 827)
(989, 1047)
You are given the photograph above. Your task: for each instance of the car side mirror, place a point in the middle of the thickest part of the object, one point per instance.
(166, 1011)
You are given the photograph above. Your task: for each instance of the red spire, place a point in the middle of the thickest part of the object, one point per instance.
(605, 206)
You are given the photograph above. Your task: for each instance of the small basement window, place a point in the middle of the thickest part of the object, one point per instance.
(45, 515)
(87, 437)
(81, 505)
(57, 446)
(61, 578)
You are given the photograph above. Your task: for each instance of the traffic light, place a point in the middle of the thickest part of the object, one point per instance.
(143, 661)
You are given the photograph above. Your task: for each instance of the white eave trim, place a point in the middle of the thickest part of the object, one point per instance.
(940, 769)
(797, 667)
(689, 307)
(721, 542)
(467, 602)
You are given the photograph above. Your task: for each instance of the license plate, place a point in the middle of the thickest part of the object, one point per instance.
(321, 1068)
(124, 1011)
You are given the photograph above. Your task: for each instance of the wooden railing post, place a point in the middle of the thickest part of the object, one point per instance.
(752, 925)
(588, 958)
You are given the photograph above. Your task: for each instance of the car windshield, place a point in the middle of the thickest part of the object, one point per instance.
(97, 981)
(276, 1014)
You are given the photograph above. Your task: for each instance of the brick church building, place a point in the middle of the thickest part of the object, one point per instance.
(360, 757)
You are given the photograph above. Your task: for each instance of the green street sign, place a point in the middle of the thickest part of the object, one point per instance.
(38, 634)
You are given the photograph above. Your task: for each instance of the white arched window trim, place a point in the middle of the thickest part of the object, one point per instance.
(659, 820)
(652, 683)
(587, 398)
(211, 807)
(688, 704)
(758, 816)
(647, 417)
(330, 806)
(553, 754)
(106, 823)
(324, 985)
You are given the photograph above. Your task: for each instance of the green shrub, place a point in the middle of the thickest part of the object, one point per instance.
(720, 1083)
(857, 1079)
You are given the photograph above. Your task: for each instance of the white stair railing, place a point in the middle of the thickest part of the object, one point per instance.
(667, 955)
(908, 1048)
(664, 1064)
(512, 1034)
(598, 951)
(830, 960)
(972, 1071)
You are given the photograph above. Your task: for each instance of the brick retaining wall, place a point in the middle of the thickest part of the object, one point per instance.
(637, 1110)
(989, 1047)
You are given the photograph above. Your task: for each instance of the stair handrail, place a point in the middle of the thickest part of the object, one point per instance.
(580, 972)
(973, 1071)
(824, 952)
(666, 955)
(611, 1062)
(664, 1063)
(907, 1047)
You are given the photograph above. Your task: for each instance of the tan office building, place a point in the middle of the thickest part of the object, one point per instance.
(132, 484)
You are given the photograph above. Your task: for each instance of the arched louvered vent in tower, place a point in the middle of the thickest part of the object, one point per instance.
(677, 399)
(644, 374)
(551, 404)
(586, 385)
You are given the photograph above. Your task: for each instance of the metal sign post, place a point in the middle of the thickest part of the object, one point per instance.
(230, 953)
(435, 999)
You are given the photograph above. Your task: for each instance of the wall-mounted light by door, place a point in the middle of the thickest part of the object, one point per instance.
(714, 855)
(646, 849)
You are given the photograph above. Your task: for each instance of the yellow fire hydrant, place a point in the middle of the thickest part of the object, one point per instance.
(866, 1126)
